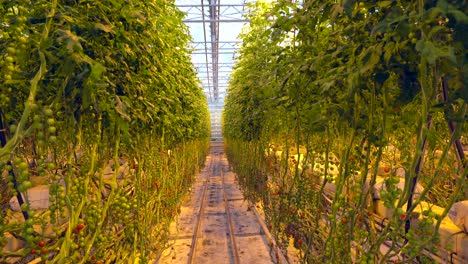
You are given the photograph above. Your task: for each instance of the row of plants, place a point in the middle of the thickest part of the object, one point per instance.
(368, 88)
(100, 105)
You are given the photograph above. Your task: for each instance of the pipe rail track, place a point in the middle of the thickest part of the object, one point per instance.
(217, 224)
(215, 169)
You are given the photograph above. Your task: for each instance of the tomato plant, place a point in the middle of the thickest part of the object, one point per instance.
(90, 95)
(356, 88)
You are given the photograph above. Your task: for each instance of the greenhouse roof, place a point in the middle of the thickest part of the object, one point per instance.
(214, 26)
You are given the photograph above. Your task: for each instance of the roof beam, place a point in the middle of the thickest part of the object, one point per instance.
(226, 52)
(223, 5)
(216, 20)
(220, 42)
(210, 14)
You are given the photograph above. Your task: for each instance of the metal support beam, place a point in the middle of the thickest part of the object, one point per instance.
(197, 6)
(211, 14)
(211, 63)
(220, 42)
(225, 77)
(226, 52)
(204, 72)
(230, 50)
(215, 20)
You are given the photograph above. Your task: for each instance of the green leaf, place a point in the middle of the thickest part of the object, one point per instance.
(370, 58)
(459, 15)
(389, 51)
(314, 114)
(435, 30)
(433, 13)
(384, 4)
(96, 70)
(432, 53)
(348, 6)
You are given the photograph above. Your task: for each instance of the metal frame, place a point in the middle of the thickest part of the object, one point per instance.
(217, 54)
(212, 14)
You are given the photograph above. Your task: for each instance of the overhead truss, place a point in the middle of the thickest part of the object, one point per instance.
(211, 14)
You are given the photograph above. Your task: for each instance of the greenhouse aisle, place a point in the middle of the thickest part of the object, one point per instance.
(214, 218)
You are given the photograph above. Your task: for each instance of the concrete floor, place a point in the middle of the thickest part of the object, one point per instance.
(213, 243)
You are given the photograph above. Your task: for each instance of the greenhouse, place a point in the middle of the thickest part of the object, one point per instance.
(233, 131)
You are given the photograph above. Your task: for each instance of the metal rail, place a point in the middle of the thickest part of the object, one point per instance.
(206, 50)
(214, 162)
(192, 252)
(235, 252)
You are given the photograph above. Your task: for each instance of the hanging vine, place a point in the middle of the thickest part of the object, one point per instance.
(104, 127)
(347, 130)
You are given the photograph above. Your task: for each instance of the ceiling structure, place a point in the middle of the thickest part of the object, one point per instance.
(214, 26)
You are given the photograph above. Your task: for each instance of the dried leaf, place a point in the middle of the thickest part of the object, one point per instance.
(104, 28)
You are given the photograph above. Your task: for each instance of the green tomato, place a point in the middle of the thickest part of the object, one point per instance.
(21, 19)
(19, 29)
(27, 184)
(13, 128)
(11, 68)
(51, 165)
(9, 59)
(24, 207)
(394, 180)
(11, 50)
(23, 40)
(48, 112)
(34, 106)
(39, 125)
(50, 121)
(21, 188)
(23, 165)
(52, 129)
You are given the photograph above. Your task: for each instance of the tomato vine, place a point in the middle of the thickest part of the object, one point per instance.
(102, 111)
(331, 99)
